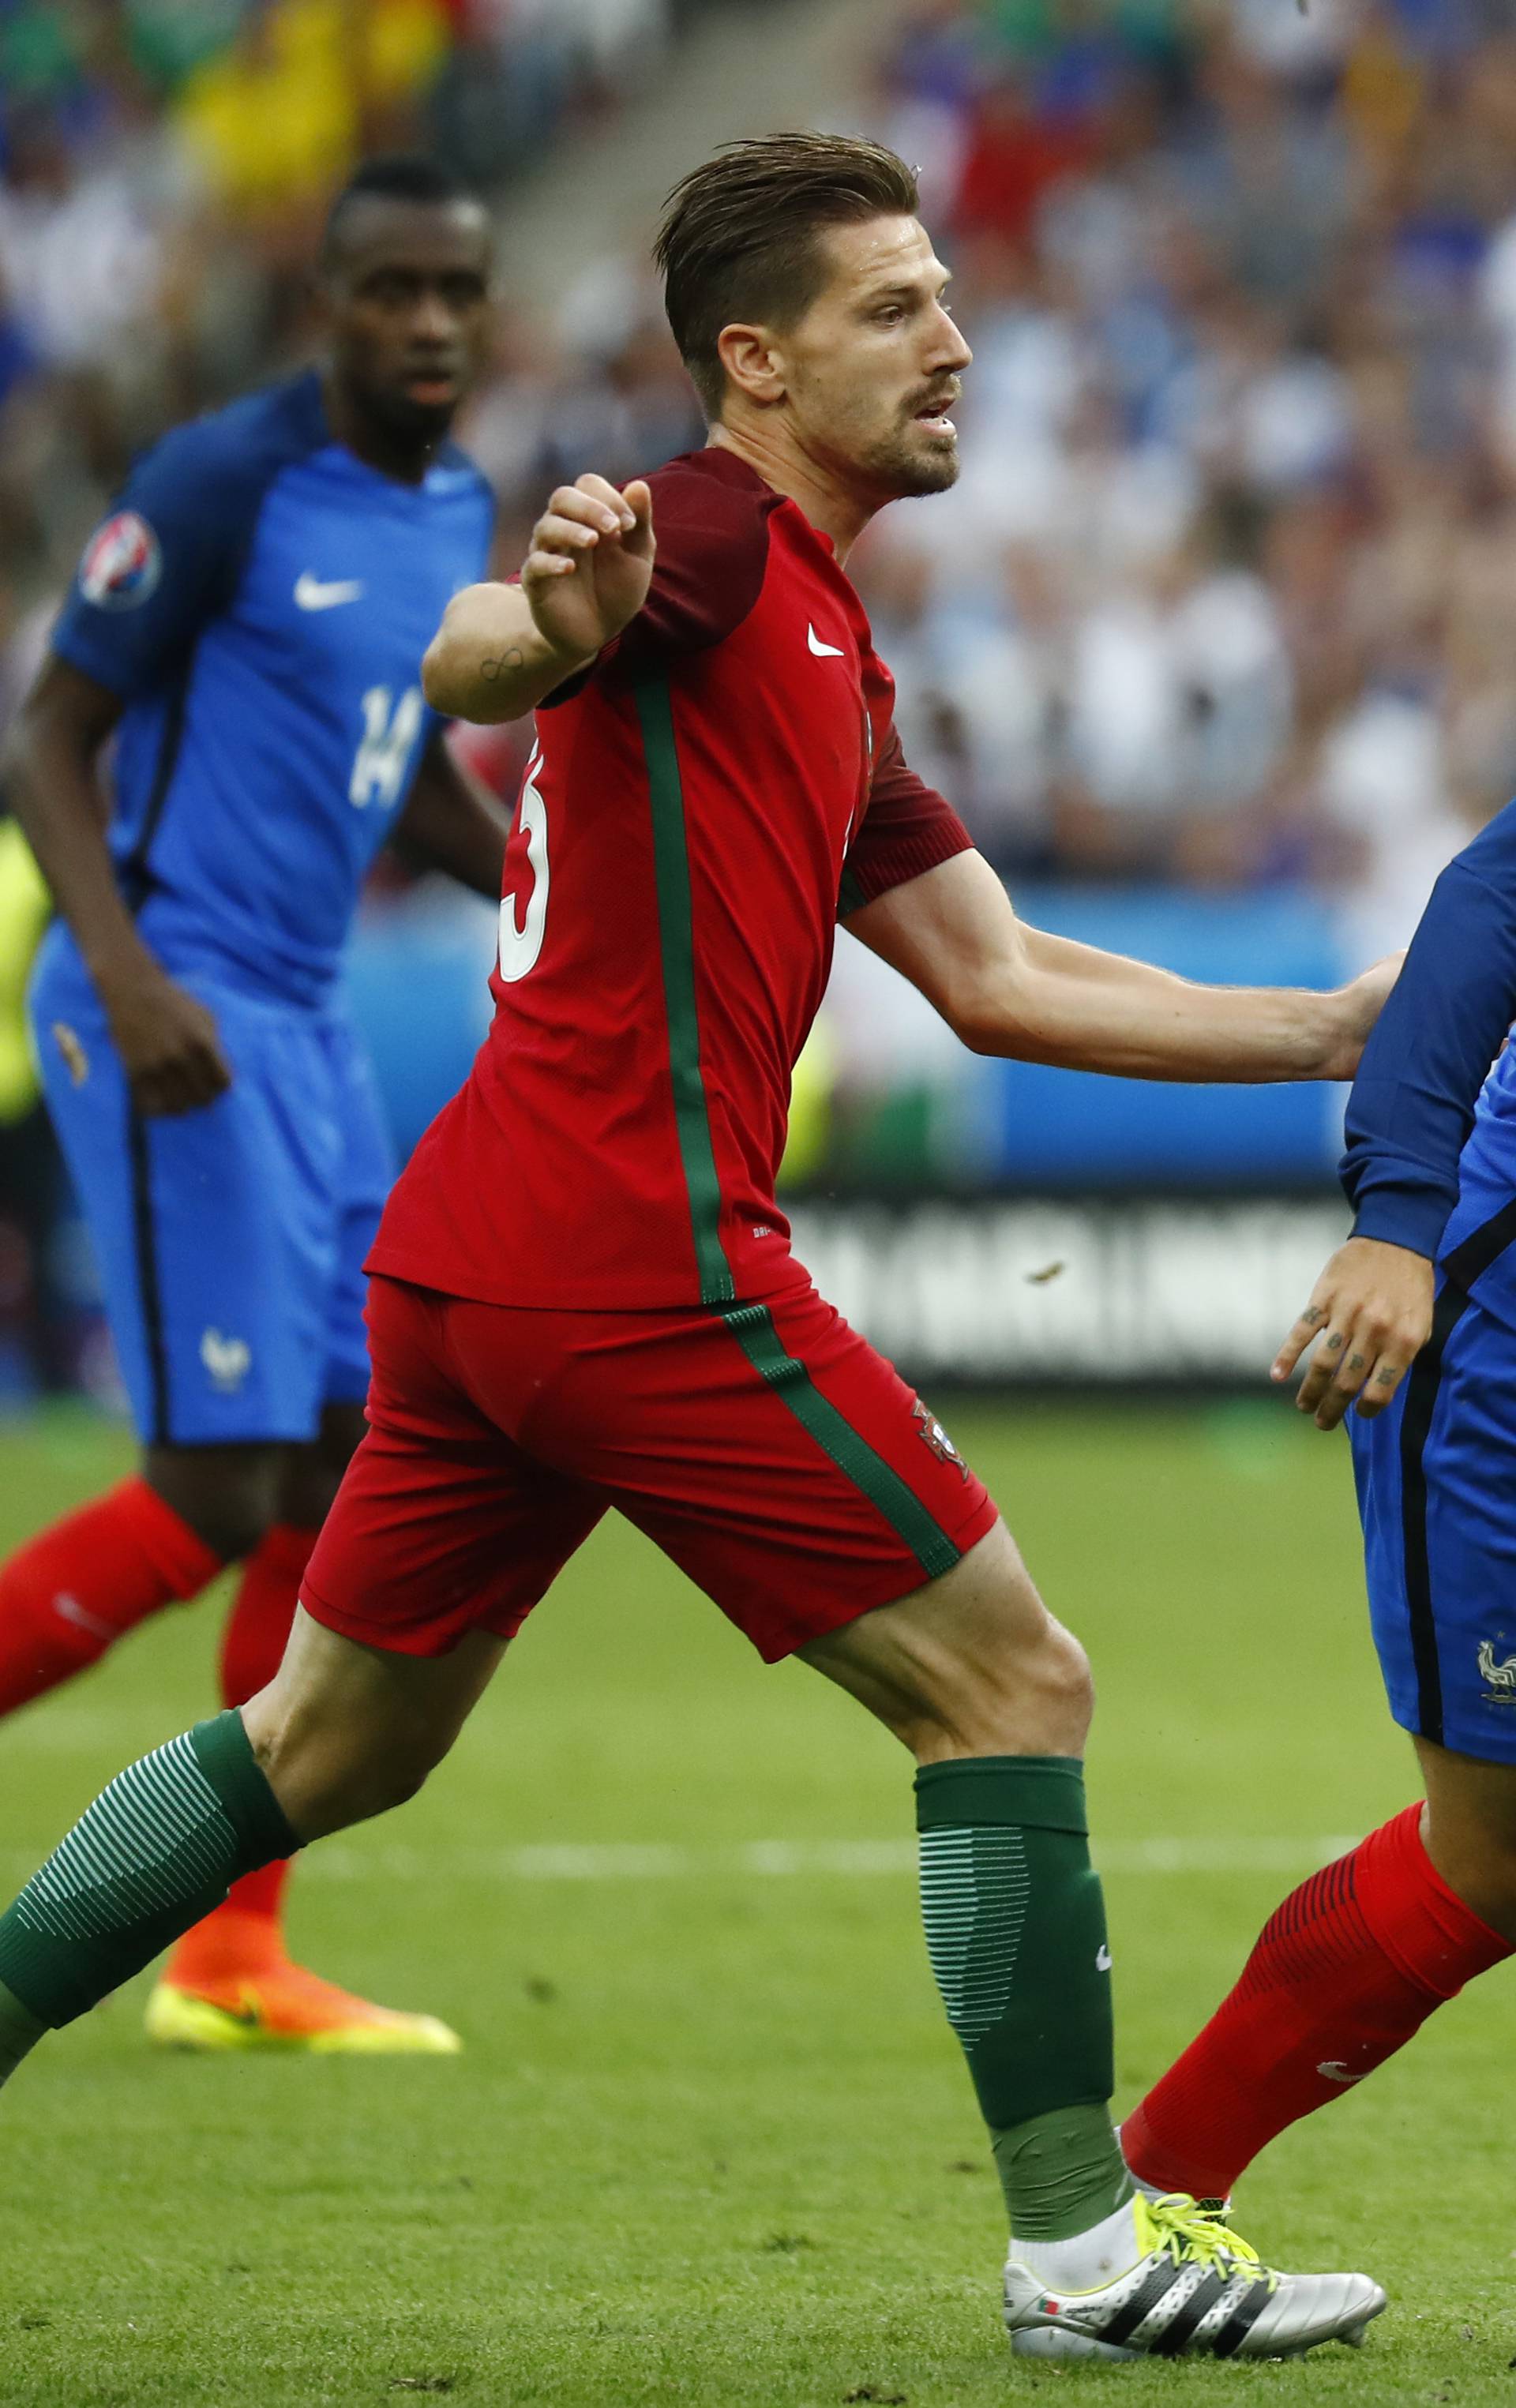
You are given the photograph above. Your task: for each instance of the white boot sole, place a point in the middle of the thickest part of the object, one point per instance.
(1046, 2341)
(1054, 2341)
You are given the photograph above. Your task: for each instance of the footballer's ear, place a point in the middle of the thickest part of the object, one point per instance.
(751, 360)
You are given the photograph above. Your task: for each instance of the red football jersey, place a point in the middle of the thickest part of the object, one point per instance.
(699, 806)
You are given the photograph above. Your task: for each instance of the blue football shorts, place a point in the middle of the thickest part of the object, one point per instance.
(230, 1241)
(1436, 1491)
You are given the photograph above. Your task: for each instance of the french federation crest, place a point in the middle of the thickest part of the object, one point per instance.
(1500, 1678)
(931, 1433)
(122, 564)
(227, 1359)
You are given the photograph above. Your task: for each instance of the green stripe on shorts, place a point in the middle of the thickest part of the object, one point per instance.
(752, 1326)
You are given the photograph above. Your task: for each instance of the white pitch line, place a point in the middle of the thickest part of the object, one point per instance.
(769, 1859)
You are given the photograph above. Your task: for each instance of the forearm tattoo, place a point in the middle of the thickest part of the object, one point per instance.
(498, 664)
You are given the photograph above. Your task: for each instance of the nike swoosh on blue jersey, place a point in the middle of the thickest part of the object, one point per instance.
(311, 594)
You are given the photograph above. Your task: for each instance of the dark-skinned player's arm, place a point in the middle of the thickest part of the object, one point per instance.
(1409, 1117)
(1008, 989)
(451, 821)
(167, 1039)
(502, 649)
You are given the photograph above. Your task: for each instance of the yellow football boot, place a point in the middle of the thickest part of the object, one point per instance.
(250, 1994)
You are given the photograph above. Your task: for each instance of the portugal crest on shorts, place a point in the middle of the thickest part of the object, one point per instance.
(931, 1433)
(122, 564)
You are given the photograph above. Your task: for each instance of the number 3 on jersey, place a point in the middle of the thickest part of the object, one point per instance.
(526, 858)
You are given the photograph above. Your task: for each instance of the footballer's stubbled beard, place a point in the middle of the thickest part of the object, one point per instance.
(419, 422)
(402, 418)
(909, 470)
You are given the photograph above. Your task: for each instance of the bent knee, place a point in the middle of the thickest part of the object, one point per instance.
(1019, 1693)
(327, 1777)
(1067, 1680)
(228, 1495)
(1477, 1861)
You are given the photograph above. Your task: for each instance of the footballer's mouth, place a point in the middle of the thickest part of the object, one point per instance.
(935, 414)
(434, 388)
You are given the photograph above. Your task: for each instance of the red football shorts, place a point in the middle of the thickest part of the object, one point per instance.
(779, 1462)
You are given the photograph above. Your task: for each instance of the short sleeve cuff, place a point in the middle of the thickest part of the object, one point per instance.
(70, 641)
(897, 864)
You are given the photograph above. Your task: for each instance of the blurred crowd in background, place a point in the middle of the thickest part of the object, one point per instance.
(1227, 592)
(165, 169)
(165, 166)
(1226, 600)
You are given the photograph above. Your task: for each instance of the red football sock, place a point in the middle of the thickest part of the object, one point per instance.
(243, 1931)
(72, 1591)
(1343, 1973)
(263, 1610)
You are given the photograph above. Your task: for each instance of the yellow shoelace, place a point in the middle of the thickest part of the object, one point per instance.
(1197, 2236)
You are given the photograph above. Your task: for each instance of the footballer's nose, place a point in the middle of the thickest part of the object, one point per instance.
(949, 350)
(434, 324)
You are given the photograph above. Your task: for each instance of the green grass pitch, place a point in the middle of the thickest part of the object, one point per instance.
(710, 2141)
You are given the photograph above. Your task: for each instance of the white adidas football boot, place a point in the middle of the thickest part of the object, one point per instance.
(1196, 2290)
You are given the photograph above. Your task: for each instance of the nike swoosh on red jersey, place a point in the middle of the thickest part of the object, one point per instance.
(823, 651)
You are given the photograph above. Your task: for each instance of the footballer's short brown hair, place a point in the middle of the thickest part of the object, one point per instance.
(740, 241)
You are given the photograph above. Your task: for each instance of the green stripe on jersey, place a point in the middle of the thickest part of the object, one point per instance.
(752, 1326)
(675, 938)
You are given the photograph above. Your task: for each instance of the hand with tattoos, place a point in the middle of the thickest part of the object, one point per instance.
(1370, 1314)
(502, 649)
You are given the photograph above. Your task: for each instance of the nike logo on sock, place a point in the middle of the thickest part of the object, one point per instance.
(69, 1609)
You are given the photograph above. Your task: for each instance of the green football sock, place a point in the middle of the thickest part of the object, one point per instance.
(160, 1847)
(19, 2031)
(1016, 1931)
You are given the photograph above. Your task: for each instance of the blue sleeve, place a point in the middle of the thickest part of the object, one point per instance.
(1412, 1102)
(165, 561)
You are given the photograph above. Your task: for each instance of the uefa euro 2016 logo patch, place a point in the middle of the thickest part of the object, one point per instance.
(121, 563)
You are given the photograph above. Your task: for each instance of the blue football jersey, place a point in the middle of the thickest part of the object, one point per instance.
(1486, 1189)
(261, 599)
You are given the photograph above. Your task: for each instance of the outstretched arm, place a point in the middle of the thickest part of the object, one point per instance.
(502, 649)
(1008, 989)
